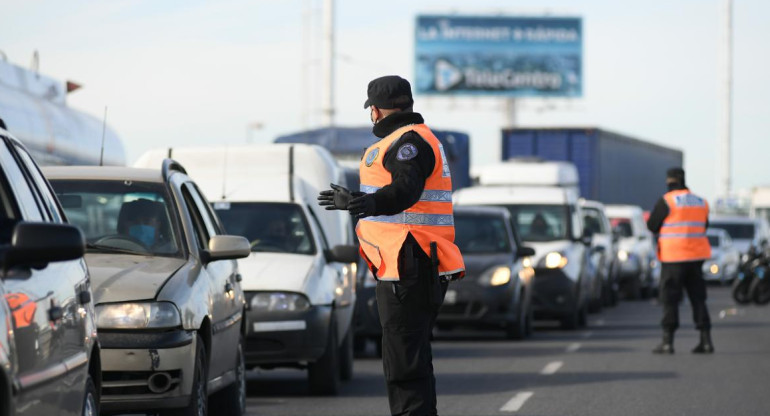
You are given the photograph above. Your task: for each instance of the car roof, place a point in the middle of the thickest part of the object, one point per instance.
(486, 195)
(482, 210)
(105, 173)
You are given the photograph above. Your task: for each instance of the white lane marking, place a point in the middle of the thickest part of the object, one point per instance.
(551, 368)
(573, 347)
(587, 334)
(516, 402)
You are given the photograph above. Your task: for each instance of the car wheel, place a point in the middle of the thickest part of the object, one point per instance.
(359, 344)
(346, 356)
(198, 405)
(90, 399)
(583, 316)
(323, 374)
(231, 401)
(530, 320)
(517, 328)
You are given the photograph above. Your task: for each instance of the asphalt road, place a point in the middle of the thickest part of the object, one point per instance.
(605, 369)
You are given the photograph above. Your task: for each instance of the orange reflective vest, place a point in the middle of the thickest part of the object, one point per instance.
(683, 233)
(428, 220)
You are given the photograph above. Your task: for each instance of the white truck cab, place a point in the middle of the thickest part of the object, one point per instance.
(543, 200)
(299, 280)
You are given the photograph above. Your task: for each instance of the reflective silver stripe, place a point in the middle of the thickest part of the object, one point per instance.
(412, 218)
(685, 224)
(683, 235)
(428, 195)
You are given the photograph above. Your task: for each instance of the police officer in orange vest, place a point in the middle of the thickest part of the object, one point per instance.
(680, 219)
(406, 235)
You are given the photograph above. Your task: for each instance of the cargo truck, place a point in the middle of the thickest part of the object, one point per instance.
(612, 168)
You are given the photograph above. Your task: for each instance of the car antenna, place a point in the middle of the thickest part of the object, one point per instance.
(224, 176)
(104, 129)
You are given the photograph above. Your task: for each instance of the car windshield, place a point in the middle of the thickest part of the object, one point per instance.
(123, 217)
(481, 234)
(737, 231)
(714, 240)
(622, 226)
(540, 222)
(592, 220)
(270, 227)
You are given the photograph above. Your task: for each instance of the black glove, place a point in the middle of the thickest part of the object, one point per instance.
(362, 206)
(336, 198)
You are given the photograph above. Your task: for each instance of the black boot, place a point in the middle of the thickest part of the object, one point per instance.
(667, 346)
(705, 346)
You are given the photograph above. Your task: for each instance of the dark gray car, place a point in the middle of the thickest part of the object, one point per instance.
(169, 304)
(49, 354)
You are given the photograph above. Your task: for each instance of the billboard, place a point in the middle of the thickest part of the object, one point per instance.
(499, 55)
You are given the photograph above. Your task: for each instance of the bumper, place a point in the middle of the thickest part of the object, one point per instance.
(629, 269)
(366, 318)
(126, 371)
(473, 304)
(286, 338)
(554, 294)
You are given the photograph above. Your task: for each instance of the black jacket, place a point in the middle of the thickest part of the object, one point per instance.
(408, 174)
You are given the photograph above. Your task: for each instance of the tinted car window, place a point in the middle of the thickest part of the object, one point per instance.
(48, 199)
(593, 221)
(478, 234)
(134, 216)
(736, 230)
(622, 226)
(714, 240)
(540, 222)
(272, 227)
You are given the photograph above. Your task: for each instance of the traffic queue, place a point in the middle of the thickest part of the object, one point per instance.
(128, 290)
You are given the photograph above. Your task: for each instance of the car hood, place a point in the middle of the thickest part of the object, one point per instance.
(276, 271)
(544, 247)
(476, 264)
(122, 277)
(742, 245)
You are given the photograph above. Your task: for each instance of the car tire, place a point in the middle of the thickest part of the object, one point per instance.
(346, 356)
(90, 399)
(359, 344)
(324, 375)
(198, 405)
(231, 401)
(517, 328)
(583, 317)
(530, 322)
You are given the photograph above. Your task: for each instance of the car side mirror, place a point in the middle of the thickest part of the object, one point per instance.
(37, 244)
(524, 251)
(226, 247)
(342, 254)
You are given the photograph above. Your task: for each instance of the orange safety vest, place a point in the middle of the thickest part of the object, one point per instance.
(683, 233)
(428, 220)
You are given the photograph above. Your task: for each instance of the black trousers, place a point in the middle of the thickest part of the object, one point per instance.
(676, 277)
(408, 310)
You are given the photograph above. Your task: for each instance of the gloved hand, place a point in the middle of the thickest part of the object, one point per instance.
(362, 206)
(336, 198)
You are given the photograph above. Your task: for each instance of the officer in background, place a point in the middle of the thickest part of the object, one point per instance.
(680, 219)
(406, 235)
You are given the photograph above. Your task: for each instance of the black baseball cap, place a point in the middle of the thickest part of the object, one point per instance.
(390, 91)
(676, 174)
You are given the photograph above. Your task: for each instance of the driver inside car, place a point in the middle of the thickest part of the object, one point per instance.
(141, 220)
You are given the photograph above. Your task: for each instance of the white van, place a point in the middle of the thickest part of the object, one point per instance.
(299, 280)
(543, 200)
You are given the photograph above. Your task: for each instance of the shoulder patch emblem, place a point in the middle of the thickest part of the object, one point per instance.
(406, 152)
(370, 158)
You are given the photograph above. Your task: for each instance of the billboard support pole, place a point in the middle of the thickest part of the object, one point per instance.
(327, 105)
(726, 139)
(510, 112)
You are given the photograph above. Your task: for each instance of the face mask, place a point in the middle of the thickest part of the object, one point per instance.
(143, 233)
(371, 117)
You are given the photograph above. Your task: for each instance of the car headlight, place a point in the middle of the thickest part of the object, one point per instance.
(526, 262)
(714, 268)
(622, 255)
(554, 260)
(279, 301)
(496, 276)
(137, 315)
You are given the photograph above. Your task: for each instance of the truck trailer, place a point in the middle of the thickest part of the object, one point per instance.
(612, 168)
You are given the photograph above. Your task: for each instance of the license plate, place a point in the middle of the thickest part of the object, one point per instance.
(451, 297)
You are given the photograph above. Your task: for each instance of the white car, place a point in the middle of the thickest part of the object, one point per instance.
(723, 265)
(744, 232)
(299, 280)
(604, 254)
(636, 251)
(542, 198)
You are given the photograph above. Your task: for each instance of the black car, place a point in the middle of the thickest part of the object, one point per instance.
(496, 291)
(49, 353)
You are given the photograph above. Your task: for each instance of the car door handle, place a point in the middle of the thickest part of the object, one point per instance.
(55, 313)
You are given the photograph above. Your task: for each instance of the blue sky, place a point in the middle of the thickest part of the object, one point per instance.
(200, 72)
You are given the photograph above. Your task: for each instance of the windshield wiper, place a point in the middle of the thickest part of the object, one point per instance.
(116, 250)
